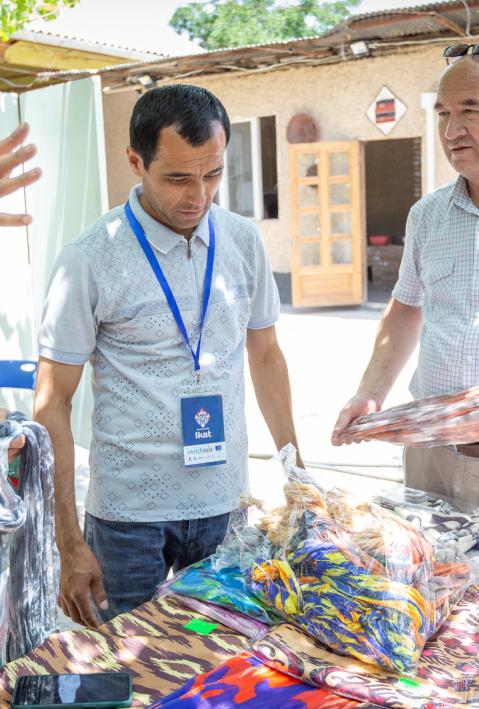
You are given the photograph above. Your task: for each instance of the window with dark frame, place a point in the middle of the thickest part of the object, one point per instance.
(251, 171)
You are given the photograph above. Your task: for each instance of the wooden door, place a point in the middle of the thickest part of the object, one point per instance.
(329, 239)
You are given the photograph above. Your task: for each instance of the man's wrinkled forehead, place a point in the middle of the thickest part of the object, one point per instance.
(442, 102)
(461, 79)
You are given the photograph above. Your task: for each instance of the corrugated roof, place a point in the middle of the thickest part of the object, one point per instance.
(409, 8)
(457, 13)
(432, 18)
(443, 20)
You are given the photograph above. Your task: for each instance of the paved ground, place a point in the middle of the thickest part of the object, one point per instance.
(327, 351)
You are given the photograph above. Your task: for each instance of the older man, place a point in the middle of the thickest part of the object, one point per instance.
(436, 297)
(162, 296)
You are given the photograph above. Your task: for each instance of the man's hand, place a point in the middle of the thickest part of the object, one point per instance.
(11, 156)
(359, 405)
(397, 337)
(17, 443)
(81, 576)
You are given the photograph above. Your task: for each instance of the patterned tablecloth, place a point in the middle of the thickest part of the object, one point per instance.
(151, 642)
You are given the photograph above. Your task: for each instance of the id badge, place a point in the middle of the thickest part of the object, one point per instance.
(203, 430)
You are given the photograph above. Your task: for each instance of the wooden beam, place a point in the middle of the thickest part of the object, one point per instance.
(445, 22)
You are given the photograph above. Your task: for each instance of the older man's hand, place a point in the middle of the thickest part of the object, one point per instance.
(13, 154)
(17, 443)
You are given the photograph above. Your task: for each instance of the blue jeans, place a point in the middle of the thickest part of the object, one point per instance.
(136, 557)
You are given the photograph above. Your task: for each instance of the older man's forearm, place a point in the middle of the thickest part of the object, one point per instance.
(396, 340)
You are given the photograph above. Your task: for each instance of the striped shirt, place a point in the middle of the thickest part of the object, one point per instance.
(440, 273)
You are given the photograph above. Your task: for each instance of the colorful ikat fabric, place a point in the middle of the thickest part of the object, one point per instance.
(245, 682)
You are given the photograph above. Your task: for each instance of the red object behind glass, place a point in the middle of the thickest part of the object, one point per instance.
(379, 239)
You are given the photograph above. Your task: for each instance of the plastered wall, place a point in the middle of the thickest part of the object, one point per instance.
(336, 95)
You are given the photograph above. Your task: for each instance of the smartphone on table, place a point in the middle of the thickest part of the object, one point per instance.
(105, 690)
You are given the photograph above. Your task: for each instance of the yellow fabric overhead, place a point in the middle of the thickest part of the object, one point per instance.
(48, 57)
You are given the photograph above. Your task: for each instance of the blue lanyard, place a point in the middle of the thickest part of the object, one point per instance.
(148, 251)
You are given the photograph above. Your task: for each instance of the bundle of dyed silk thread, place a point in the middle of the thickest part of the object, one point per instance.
(355, 576)
(433, 421)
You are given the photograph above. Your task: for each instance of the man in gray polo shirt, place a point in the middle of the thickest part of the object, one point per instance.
(437, 295)
(161, 296)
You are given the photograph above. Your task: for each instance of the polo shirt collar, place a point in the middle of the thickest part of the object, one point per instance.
(158, 234)
(460, 196)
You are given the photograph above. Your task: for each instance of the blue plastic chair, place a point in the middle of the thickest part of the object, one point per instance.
(18, 373)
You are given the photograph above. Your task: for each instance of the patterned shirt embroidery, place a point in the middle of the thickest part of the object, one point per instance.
(440, 272)
(105, 305)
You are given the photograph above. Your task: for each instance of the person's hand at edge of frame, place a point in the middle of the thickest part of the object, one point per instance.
(359, 405)
(12, 154)
(16, 445)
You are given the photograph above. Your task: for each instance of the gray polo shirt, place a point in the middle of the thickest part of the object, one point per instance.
(104, 305)
(440, 272)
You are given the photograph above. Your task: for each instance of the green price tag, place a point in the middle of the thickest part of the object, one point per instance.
(200, 626)
(408, 682)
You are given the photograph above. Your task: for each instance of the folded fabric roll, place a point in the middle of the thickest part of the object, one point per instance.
(244, 681)
(433, 421)
(226, 588)
(253, 629)
(441, 522)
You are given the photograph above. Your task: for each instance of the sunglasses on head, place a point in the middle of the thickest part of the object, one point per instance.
(457, 51)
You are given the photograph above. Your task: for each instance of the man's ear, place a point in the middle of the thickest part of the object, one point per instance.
(135, 161)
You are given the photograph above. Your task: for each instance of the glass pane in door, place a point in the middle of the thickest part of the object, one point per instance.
(342, 251)
(310, 255)
(339, 193)
(307, 165)
(309, 225)
(308, 196)
(341, 223)
(338, 164)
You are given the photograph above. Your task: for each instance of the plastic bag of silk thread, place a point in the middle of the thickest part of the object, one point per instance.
(441, 420)
(32, 588)
(352, 574)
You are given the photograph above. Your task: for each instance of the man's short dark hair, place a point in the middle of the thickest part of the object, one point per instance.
(190, 109)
